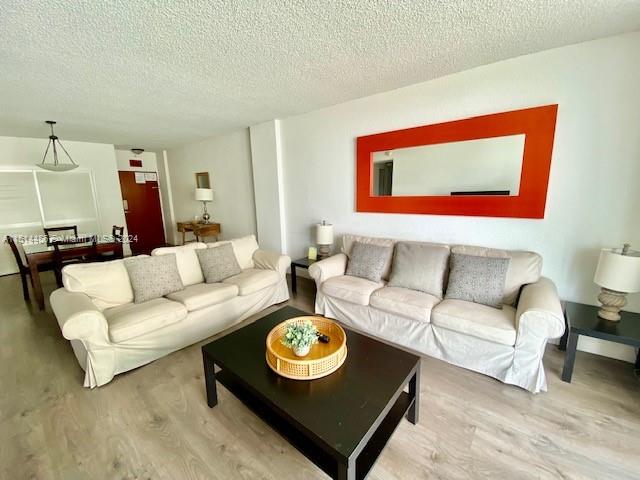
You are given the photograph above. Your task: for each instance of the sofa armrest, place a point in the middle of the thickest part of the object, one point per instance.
(539, 311)
(269, 260)
(329, 267)
(79, 318)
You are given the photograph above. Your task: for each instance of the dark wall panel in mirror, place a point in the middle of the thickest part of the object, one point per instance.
(492, 165)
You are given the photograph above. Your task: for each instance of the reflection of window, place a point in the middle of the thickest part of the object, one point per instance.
(64, 199)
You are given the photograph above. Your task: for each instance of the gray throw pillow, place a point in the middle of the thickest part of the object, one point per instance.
(368, 261)
(419, 266)
(218, 263)
(477, 279)
(153, 277)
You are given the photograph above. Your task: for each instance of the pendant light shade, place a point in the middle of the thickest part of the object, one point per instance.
(54, 145)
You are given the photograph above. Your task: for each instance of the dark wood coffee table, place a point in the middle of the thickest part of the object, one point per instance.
(340, 422)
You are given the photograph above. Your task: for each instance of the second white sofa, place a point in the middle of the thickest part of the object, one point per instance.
(507, 343)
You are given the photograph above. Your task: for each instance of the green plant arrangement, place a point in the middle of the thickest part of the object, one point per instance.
(299, 337)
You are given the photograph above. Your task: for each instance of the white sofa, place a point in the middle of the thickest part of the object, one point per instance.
(110, 334)
(507, 344)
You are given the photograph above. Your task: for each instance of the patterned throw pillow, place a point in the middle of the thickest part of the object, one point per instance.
(368, 261)
(477, 279)
(153, 277)
(218, 263)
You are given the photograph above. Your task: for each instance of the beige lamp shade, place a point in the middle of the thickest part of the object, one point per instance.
(324, 234)
(204, 194)
(618, 272)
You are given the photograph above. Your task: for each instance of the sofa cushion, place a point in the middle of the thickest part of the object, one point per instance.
(352, 289)
(476, 320)
(153, 277)
(420, 266)
(105, 283)
(349, 240)
(368, 261)
(202, 295)
(218, 263)
(524, 268)
(187, 260)
(253, 280)
(243, 247)
(405, 302)
(477, 279)
(135, 319)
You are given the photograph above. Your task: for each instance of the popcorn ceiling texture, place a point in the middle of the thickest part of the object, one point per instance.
(163, 73)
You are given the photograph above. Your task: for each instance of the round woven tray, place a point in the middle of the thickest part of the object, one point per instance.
(323, 359)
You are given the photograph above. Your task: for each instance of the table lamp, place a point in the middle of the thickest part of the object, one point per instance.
(324, 239)
(204, 195)
(618, 273)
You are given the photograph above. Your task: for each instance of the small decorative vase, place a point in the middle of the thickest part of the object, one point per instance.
(302, 351)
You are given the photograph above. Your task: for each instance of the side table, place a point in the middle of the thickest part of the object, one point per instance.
(583, 320)
(301, 263)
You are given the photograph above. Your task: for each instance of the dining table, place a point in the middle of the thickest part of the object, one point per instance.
(40, 254)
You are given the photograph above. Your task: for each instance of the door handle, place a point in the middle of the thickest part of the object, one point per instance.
(125, 205)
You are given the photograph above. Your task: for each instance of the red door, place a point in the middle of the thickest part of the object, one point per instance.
(141, 200)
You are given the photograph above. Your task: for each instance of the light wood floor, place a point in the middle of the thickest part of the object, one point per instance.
(153, 422)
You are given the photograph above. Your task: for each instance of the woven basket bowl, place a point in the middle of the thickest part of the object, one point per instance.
(323, 359)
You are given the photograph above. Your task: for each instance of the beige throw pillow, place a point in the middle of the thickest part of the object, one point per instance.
(419, 266)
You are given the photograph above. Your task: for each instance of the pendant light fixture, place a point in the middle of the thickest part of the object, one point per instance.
(54, 143)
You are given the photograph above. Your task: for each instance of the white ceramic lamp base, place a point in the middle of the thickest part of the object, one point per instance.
(612, 302)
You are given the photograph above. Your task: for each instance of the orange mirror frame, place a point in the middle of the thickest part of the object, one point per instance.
(537, 124)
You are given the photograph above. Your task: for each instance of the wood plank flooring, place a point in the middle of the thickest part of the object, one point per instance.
(153, 422)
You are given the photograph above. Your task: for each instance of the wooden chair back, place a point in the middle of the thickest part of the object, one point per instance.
(52, 232)
(18, 252)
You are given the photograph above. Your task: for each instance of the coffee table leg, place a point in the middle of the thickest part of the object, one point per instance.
(570, 357)
(347, 471)
(210, 381)
(413, 413)
(294, 280)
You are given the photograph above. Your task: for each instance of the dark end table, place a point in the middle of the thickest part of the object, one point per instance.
(583, 320)
(302, 263)
(340, 422)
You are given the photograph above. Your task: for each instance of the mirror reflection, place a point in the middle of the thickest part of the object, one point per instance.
(487, 166)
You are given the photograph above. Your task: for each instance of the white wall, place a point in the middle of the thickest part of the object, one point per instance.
(227, 158)
(593, 194)
(97, 158)
(266, 157)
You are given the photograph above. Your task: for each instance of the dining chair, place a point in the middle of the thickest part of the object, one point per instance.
(21, 260)
(52, 232)
(118, 234)
(76, 250)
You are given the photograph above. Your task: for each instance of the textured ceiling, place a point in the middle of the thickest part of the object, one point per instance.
(163, 73)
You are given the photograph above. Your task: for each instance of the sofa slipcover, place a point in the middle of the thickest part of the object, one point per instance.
(252, 280)
(412, 304)
(201, 295)
(507, 344)
(135, 319)
(352, 289)
(481, 321)
(129, 336)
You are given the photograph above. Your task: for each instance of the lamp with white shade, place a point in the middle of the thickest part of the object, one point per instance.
(204, 195)
(618, 273)
(324, 239)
